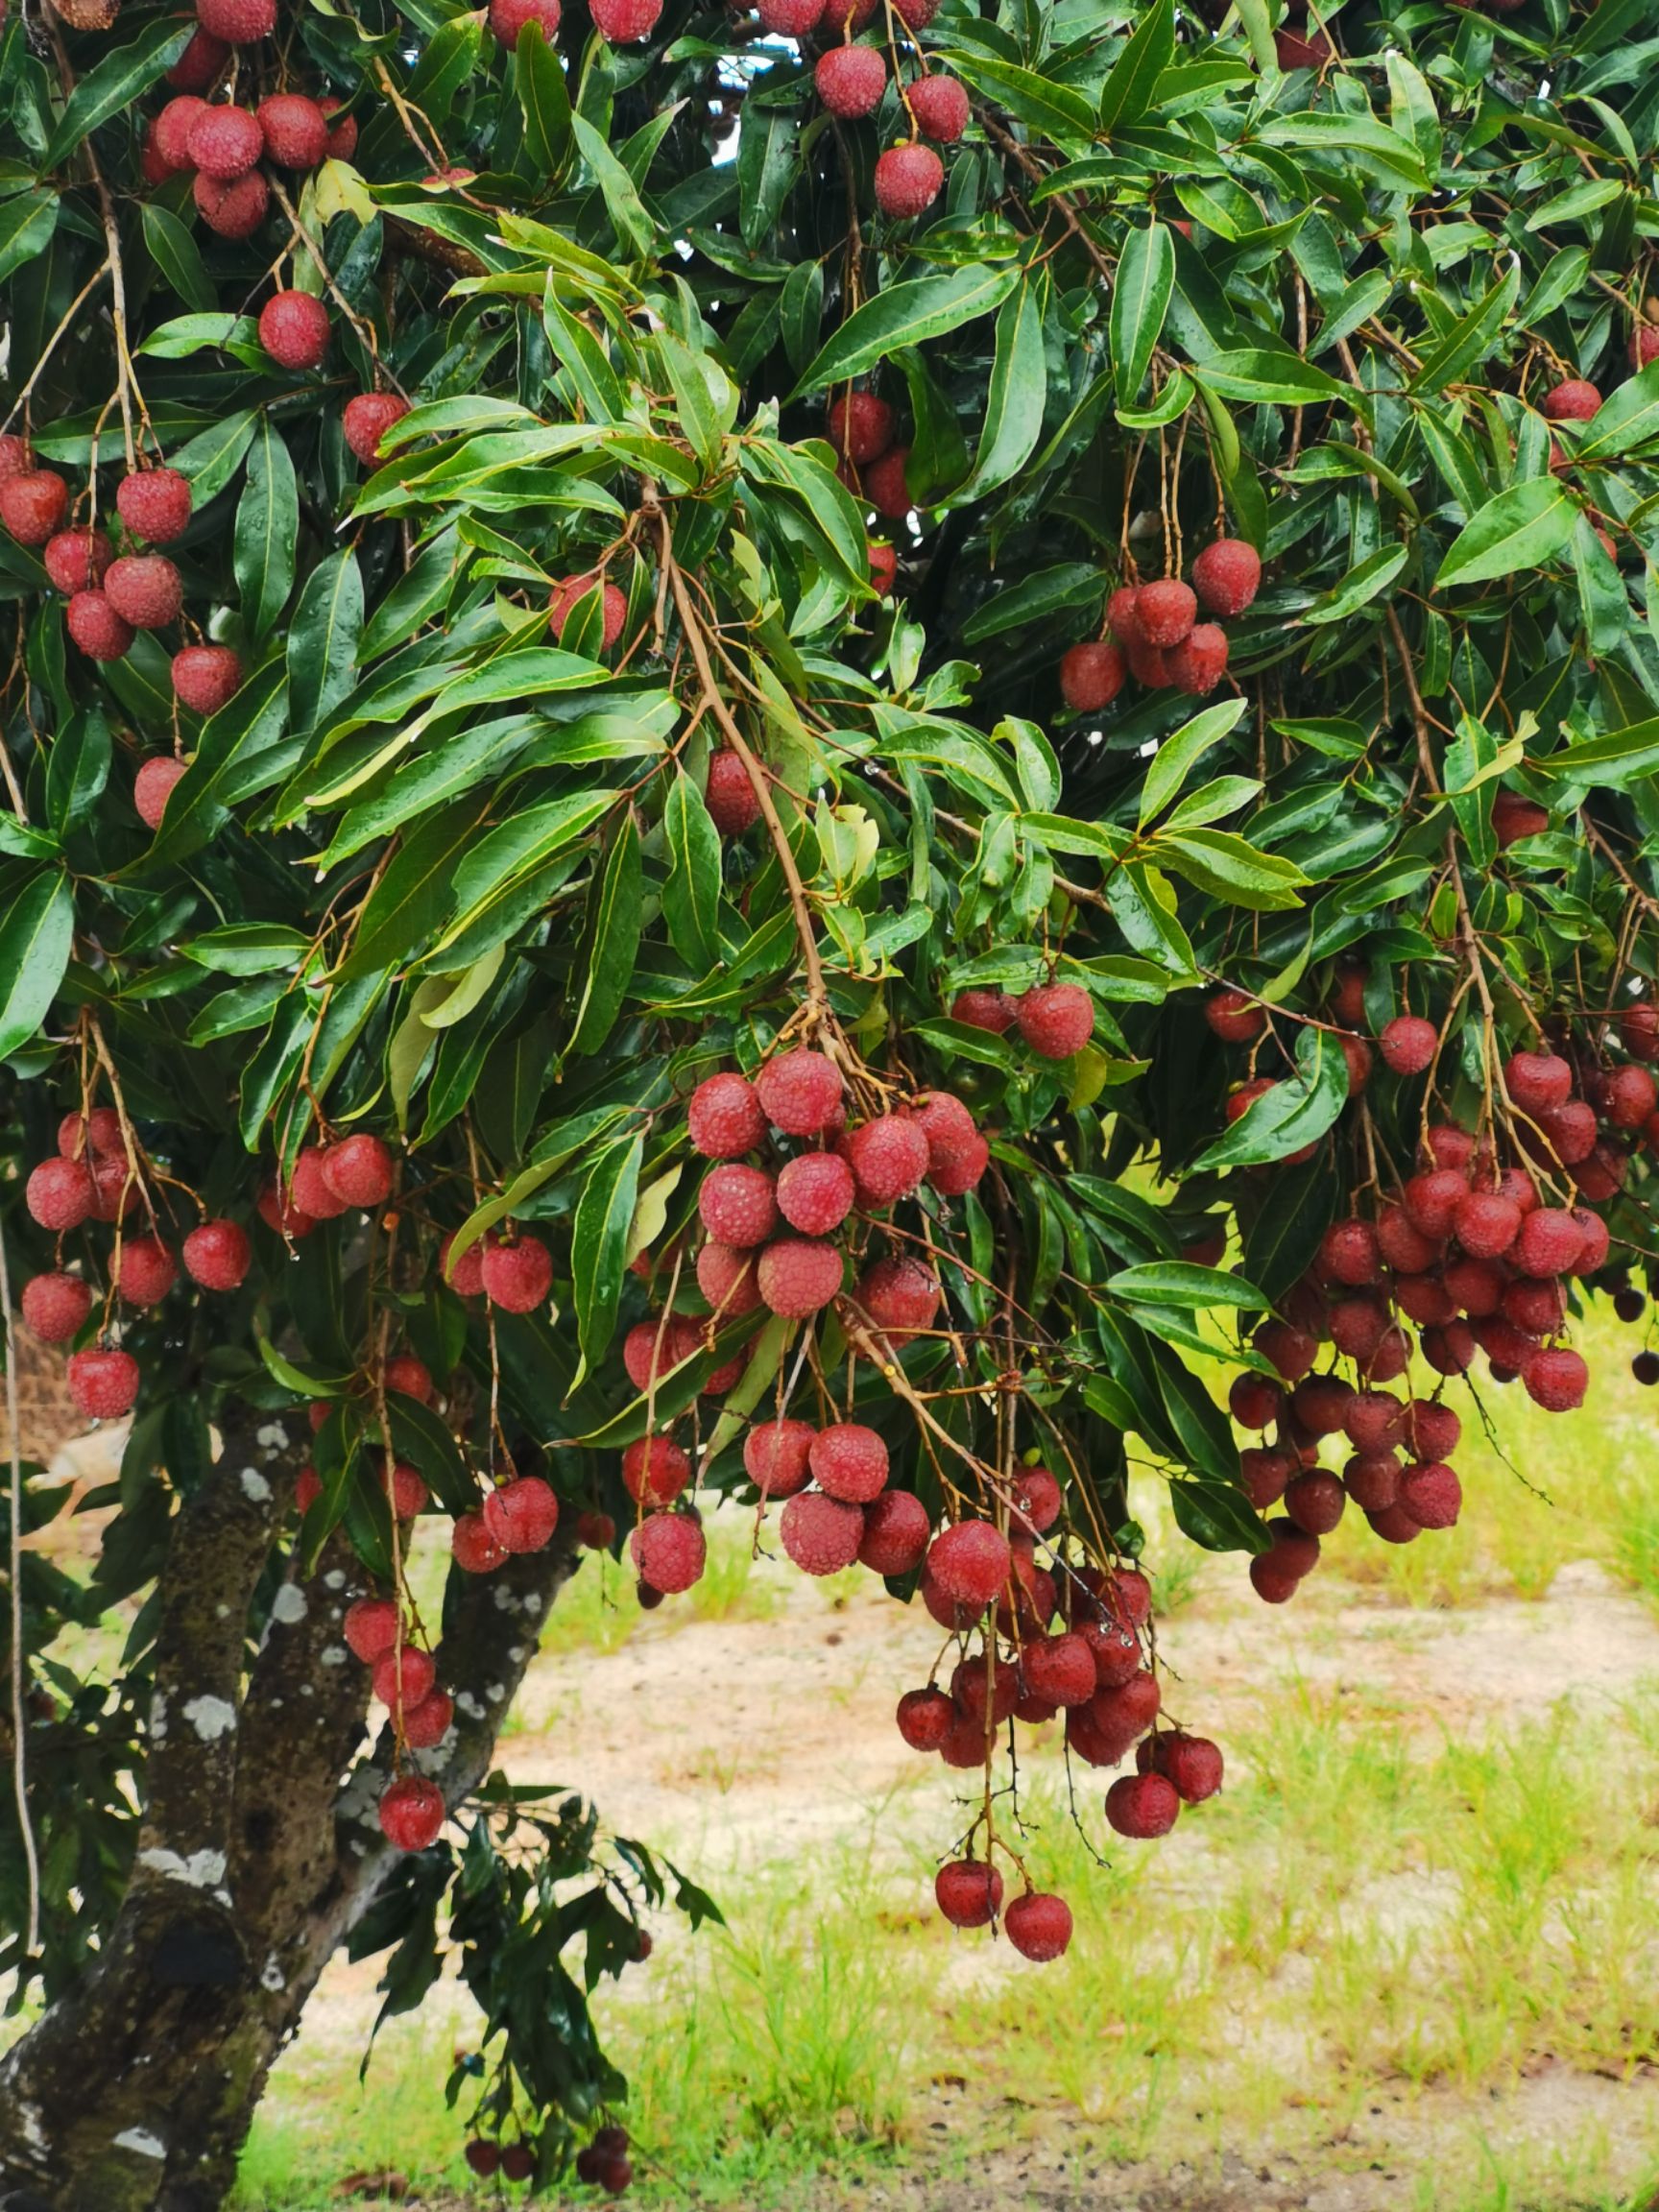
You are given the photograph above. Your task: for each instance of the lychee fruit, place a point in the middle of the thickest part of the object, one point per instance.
(428, 1723)
(507, 18)
(799, 1276)
(887, 484)
(200, 62)
(1408, 1043)
(790, 18)
(359, 1171)
(1060, 1669)
(850, 81)
(1235, 1018)
(901, 1295)
(34, 505)
(60, 1193)
(1574, 401)
(366, 418)
(992, 1010)
(1056, 1019)
(410, 1377)
(969, 1562)
(1485, 1224)
(411, 1809)
(625, 23)
(369, 1629)
(311, 1190)
(729, 795)
(293, 129)
(968, 1892)
(476, 1552)
(908, 180)
(1555, 1378)
(75, 561)
(1315, 1501)
(737, 1205)
(1039, 1926)
(233, 207)
(224, 142)
(1141, 1806)
(668, 1551)
(1432, 1200)
(294, 330)
(523, 1514)
(939, 105)
(1091, 676)
(56, 1306)
(147, 1271)
(1548, 1242)
(889, 1157)
(883, 567)
(820, 1534)
(925, 1718)
(655, 1470)
(1227, 576)
(896, 1533)
(774, 1456)
(95, 627)
(800, 1092)
(207, 677)
(102, 1384)
(723, 1119)
(815, 1192)
(861, 424)
(1431, 1495)
(1165, 613)
(568, 594)
(1198, 664)
(728, 1279)
(518, 1277)
(848, 1461)
(145, 589)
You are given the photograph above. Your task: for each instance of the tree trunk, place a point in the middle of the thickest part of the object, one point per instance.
(134, 2091)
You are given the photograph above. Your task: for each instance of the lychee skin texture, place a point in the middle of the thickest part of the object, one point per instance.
(850, 81)
(507, 18)
(1556, 1379)
(218, 1255)
(657, 1347)
(896, 1533)
(518, 1277)
(155, 504)
(34, 505)
(1575, 400)
(799, 1276)
(200, 62)
(1233, 1016)
(60, 1193)
(1193, 1764)
(1198, 664)
(13, 455)
(1039, 1926)
(293, 129)
(568, 593)
(1060, 1669)
(1408, 1043)
(1091, 676)
(725, 1119)
(668, 1551)
(887, 484)
(815, 1192)
(294, 330)
(790, 18)
(367, 418)
(234, 207)
(311, 1190)
(476, 1552)
(428, 1723)
(728, 1279)
(1486, 1224)
(523, 1514)
(901, 1296)
(145, 589)
(207, 677)
(1548, 1242)
(341, 134)
(1166, 612)
(1056, 1019)
(908, 180)
(860, 425)
(224, 142)
(173, 127)
(1536, 1081)
(883, 568)
(737, 1205)
(655, 1470)
(96, 628)
(75, 561)
(1142, 1806)
(800, 1092)
(970, 1563)
(359, 1171)
(1227, 576)
(411, 1812)
(820, 1534)
(102, 1384)
(729, 795)
(940, 106)
(991, 1010)
(889, 1157)
(774, 1456)
(56, 1306)
(850, 1462)
(96, 1136)
(925, 1718)
(369, 1629)
(1432, 1495)
(410, 1377)
(968, 1893)
(625, 23)
(147, 1273)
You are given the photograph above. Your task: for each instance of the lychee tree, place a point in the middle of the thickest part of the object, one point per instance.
(548, 977)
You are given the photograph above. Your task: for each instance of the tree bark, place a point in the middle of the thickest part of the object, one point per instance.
(258, 1848)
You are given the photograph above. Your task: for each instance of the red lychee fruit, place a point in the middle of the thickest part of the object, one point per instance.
(908, 180)
(850, 81)
(594, 1531)
(476, 1552)
(737, 1205)
(1036, 1499)
(1598, 1241)
(1039, 1926)
(1233, 1016)
(1165, 613)
(408, 1493)
(1227, 576)
(1092, 675)
(293, 129)
(367, 418)
(568, 594)
(75, 561)
(1192, 1762)
(310, 1188)
(729, 795)
(800, 1092)
(1141, 1806)
(625, 23)
(145, 589)
(1122, 618)
(342, 131)
(1288, 1352)
(1060, 1669)
(1198, 664)
(14, 454)
(774, 1456)
(147, 1271)
(669, 1551)
(359, 1171)
(724, 1117)
(728, 1279)
(1321, 1403)
(410, 1377)
(207, 677)
(1253, 1402)
(896, 1533)
(1315, 1501)
(1056, 1019)
(799, 1276)
(1537, 1081)
(428, 1723)
(411, 1808)
(60, 1193)
(815, 1192)
(1570, 1131)
(655, 1470)
(1372, 1479)
(1297, 50)
(56, 1306)
(1536, 1303)
(518, 1277)
(820, 1534)
(992, 1010)
(224, 142)
(1571, 401)
(465, 1276)
(1264, 1474)
(34, 505)
(925, 1718)
(886, 484)
(790, 18)
(1408, 1043)
(200, 62)
(1548, 1242)
(102, 1384)
(523, 1514)
(507, 18)
(1401, 1243)
(173, 127)
(1349, 1254)
(850, 1462)
(901, 1297)
(968, 1892)
(96, 628)
(655, 1348)
(1486, 1224)
(280, 1215)
(970, 1563)
(883, 567)
(294, 330)
(939, 105)
(1432, 1200)
(889, 1157)
(97, 1135)
(1555, 1378)
(371, 1628)
(1431, 1495)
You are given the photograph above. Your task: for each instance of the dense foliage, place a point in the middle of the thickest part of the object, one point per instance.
(500, 723)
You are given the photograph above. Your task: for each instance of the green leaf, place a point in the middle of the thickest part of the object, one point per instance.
(1615, 758)
(176, 255)
(1014, 403)
(26, 224)
(412, 898)
(323, 639)
(1601, 596)
(77, 769)
(1065, 589)
(632, 225)
(1521, 528)
(599, 1244)
(1217, 1517)
(1133, 78)
(1262, 376)
(1626, 418)
(538, 81)
(1362, 585)
(611, 941)
(1052, 109)
(35, 933)
(906, 314)
(267, 525)
(1296, 1112)
(1471, 339)
(115, 83)
(1180, 754)
(1229, 868)
(210, 461)
(1178, 1282)
(1140, 302)
(691, 895)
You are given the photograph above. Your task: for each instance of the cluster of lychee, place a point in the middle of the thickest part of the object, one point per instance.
(622, 22)
(221, 145)
(93, 1176)
(1156, 635)
(850, 79)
